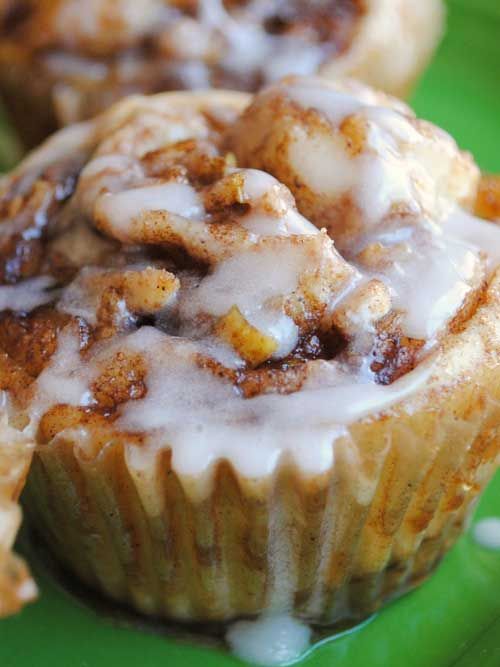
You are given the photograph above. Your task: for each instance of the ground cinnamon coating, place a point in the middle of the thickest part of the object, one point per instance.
(122, 380)
(31, 339)
(393, 356)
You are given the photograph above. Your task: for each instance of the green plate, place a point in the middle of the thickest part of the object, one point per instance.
(453, 619)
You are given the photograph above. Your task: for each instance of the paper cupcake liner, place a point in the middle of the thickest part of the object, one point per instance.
(329, 548)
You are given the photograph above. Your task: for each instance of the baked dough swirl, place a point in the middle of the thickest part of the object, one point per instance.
(256, 344)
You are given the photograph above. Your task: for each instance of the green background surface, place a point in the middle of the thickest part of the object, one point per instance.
(454, 618)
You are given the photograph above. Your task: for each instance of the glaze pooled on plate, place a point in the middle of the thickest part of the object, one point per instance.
(486, 533)
(273, 640)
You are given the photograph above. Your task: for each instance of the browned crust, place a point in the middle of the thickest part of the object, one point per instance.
(487, 203)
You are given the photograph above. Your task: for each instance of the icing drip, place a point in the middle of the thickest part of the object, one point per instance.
(487, 533)
(27, 294)
(273, 211)
(182, 408)
(270, 640)
(66, 380)
(123, 209)
(475, 232)
(430, 280)
(401, 161)
(68, 141)
(387, 186)
(260, 280)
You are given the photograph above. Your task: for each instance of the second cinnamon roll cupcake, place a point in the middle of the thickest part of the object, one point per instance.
(62, 61)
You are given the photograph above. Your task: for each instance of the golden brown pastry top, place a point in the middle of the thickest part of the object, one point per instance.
(160, 279)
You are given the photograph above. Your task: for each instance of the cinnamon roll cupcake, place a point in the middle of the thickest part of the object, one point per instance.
(260, 349)
(61, 62)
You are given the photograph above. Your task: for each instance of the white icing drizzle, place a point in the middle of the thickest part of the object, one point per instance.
(482, 235)
(68, 141)
(486, 533)
(431, 280)
(65, 380)
(26, 295)
(434, 282)
(80, 300)
(123, 209)
(269, 640)
(112, 163)
(260, 280)
(403, 161)
(262, 190)
(248, 47)
(405, 181)
(203, 418)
